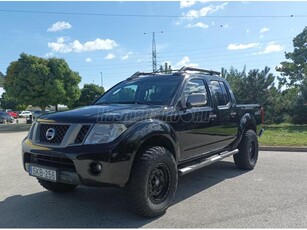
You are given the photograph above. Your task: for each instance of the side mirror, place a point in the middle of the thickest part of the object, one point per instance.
(196, 100)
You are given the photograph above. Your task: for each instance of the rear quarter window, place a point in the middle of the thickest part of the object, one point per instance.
(219, 93)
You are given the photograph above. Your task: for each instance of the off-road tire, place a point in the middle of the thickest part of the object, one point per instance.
(247, 157)
(56, 186)
(153, 182)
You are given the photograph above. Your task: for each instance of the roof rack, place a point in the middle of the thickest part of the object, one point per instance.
(176, 71)
(187, 68)
(138, 73)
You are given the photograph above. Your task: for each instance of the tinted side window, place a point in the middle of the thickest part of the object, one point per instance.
(219, 92)
(194, 86)
(226, 95)
(124, 94)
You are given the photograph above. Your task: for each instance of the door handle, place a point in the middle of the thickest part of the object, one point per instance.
(233, 114)
(212, 116)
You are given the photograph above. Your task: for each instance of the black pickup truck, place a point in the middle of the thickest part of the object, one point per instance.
(141, 134)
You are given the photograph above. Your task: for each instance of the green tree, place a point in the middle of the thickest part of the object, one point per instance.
(256, 86)
(88, 94)
(279, 107)
(42, 82)
(7, 102)
(1, 79)
(293, 74)
(166, 69)
(295, 69)
(252, 87)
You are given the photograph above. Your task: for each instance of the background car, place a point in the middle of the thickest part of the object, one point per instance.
(37, 113)
(13, 114)
(6, 117)
(2, 120)
(25, 114)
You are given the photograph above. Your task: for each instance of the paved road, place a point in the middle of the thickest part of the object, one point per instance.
(274, 194)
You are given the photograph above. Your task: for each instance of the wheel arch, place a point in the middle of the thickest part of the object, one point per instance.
(159, 140)
(152, 133)
(247, 122)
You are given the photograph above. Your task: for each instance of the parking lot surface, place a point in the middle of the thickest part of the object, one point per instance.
(274, 194)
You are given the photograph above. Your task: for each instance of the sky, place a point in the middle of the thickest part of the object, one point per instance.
(106, 42)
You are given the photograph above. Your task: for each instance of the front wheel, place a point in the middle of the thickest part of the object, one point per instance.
(248, 151)
(153, 182)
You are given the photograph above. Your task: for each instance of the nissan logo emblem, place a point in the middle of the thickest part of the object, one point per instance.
(50, 134)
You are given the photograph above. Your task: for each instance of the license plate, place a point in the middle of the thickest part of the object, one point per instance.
(44, 173)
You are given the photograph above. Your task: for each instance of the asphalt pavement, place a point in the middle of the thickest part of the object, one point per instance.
(272, 195)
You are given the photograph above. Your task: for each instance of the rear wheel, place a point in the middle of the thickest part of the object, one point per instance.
(56, 186)
(248, 151)
(153, 182)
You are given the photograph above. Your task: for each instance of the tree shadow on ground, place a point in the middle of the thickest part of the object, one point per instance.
(99, 207)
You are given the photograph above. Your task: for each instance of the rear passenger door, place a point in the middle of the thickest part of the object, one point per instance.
(224, 109)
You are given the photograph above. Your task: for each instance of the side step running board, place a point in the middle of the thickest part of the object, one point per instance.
(206, 162)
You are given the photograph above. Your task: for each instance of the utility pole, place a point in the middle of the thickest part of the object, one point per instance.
(154, 52)
(101, 77)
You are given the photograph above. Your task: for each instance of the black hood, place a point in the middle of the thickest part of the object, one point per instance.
(106, 114)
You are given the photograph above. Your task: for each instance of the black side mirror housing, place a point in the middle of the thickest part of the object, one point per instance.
(196, 100)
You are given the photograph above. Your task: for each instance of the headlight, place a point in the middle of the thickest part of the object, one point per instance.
(104, 133)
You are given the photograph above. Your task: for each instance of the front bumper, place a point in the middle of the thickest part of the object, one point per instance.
(73, 163)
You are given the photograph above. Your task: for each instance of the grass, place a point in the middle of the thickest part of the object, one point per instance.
(284, 134)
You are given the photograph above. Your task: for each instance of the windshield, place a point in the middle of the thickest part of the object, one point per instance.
(156, 90)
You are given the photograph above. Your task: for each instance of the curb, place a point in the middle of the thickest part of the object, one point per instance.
(25, 127)
(283, 148)
(14, 128)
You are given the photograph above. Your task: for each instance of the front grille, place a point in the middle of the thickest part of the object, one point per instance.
(55, 162)
(82, 133)
(60, 131)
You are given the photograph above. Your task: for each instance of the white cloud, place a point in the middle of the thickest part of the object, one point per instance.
(185, 62)
(49, 55)
(141, 60)
(177, 23)
(126, 56)
(264, 29)
(88, 59)
(203, 11)
(184, 4)
(109, 56)
(63, 46)
(59, 26)
(247, 31)
(198, 24)
(226, 26)
(270, 48)
(242, 46)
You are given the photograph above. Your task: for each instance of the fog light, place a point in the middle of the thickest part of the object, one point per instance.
(96, 168)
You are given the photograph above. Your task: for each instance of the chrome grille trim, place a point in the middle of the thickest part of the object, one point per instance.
(69, 138)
